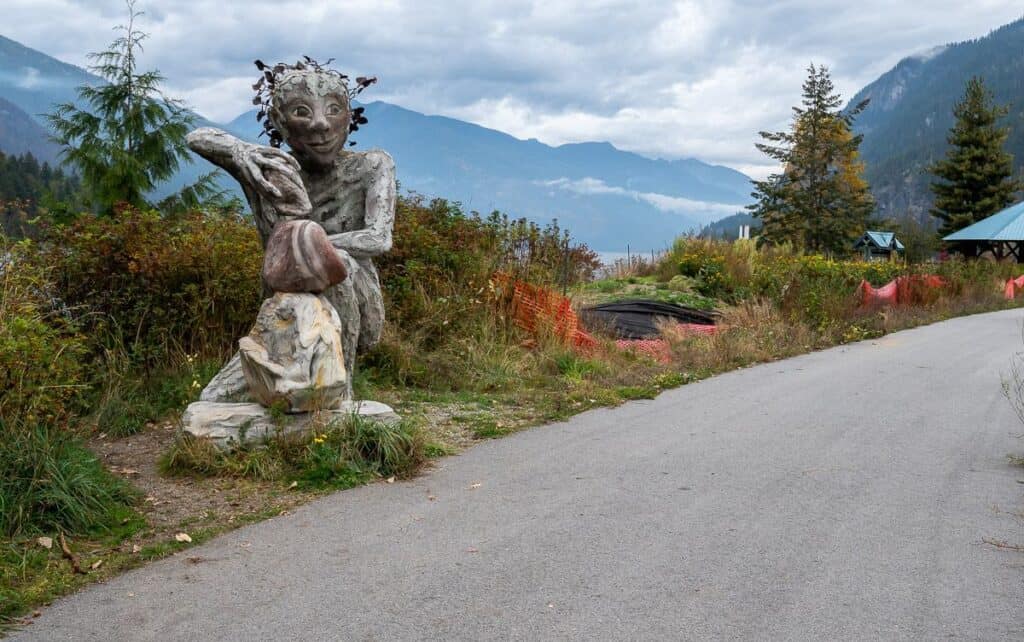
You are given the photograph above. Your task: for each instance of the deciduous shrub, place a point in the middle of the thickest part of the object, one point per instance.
(153, 286)
(42, 373)
(442, 308)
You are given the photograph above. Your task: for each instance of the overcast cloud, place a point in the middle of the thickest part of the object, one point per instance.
(671, 79)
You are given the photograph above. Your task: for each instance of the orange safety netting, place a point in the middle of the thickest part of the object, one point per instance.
(901, 290)
(1013, 285)
(658, 349)
(538, 309)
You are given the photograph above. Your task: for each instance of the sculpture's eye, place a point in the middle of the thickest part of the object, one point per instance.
(334, 109)
(301, 111)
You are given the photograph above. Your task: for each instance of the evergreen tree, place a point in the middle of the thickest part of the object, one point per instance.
(976, 175)
(133, 138)
(28, 189)
(820, 201)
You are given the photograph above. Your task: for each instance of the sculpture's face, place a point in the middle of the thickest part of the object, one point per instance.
(312, 112)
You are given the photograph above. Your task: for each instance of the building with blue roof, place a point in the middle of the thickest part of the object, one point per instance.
(1002, 234)
(878, 245)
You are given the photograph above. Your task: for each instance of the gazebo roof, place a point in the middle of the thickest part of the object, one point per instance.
(885, 240)
(1007, 225)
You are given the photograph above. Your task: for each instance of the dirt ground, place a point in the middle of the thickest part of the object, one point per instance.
(172, 505)
(176, 504)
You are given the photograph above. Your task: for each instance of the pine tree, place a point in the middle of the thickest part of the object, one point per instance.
(133, 138)
(820, 202)
(976, 174)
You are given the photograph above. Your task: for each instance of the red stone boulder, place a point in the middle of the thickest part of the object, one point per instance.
(300, 258)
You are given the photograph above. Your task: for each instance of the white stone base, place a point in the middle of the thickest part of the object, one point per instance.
(228, 425)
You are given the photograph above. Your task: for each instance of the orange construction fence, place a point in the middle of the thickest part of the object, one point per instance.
(535, 308)
(901, 290)
(1013, 285)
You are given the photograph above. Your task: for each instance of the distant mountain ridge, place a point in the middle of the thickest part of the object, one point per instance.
(21, 134)
(606, 197)
(911, 111)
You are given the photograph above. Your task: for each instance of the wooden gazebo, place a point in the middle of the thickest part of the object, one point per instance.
(1002, 234)
(878, 245)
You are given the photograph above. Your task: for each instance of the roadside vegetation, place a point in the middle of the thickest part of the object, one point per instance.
(115, 312)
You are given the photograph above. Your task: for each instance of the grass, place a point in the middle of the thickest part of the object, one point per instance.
(337, 455)
(50, 482)
(128, 402)
(451, 361)
(679, 291)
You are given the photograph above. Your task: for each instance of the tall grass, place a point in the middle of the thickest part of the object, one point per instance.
(49, 482)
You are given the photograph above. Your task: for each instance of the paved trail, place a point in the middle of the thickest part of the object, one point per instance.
(839, 495)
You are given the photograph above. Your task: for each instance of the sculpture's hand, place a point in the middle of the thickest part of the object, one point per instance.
(253, 161)
(275, 175)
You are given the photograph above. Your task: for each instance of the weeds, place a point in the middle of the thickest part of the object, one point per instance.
(340, 454)
(1013, 384)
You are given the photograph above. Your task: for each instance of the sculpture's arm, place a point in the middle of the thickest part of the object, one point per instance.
(246, 162)
(375, 238)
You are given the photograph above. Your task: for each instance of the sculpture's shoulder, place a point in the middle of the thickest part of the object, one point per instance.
(370, 161)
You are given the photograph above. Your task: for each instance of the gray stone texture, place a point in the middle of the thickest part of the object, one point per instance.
(353, 199)
(293, 356)
(230, 425)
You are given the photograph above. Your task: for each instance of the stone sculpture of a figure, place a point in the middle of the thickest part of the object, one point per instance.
(351, 194)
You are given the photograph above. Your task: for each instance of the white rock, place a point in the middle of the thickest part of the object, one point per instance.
(229, 384)
(228, 425)
(293, 353)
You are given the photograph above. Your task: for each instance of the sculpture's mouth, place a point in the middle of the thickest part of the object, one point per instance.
(322, 146)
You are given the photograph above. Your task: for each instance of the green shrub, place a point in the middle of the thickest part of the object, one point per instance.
(153, 287)
(446, 323)
(41, 351)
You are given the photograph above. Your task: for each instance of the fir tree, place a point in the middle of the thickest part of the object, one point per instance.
(975, 178)
(820, 202)
(133, 138)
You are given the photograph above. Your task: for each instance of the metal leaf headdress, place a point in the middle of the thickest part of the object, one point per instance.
(264, 89)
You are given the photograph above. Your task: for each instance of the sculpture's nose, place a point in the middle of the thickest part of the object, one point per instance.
(319, 123)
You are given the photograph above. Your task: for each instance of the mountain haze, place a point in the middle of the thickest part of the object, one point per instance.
(20, 134)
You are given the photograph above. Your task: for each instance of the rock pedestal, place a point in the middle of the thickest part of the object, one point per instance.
(292, 361)
(292, 357)
(230, 425)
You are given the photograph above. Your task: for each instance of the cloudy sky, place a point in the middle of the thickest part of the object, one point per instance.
(670, 79)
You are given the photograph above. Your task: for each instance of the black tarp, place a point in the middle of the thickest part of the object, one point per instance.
(638, 319)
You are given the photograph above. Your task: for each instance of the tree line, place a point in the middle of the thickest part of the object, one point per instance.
(820, 201)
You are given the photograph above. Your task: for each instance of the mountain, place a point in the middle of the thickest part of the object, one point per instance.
(31, 83)
(20, 134)
(34, 81)
(604, 196)
(729, 227)
(911, 111)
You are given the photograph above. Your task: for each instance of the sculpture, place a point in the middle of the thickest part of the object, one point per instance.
(350, 194)
(322, 213)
